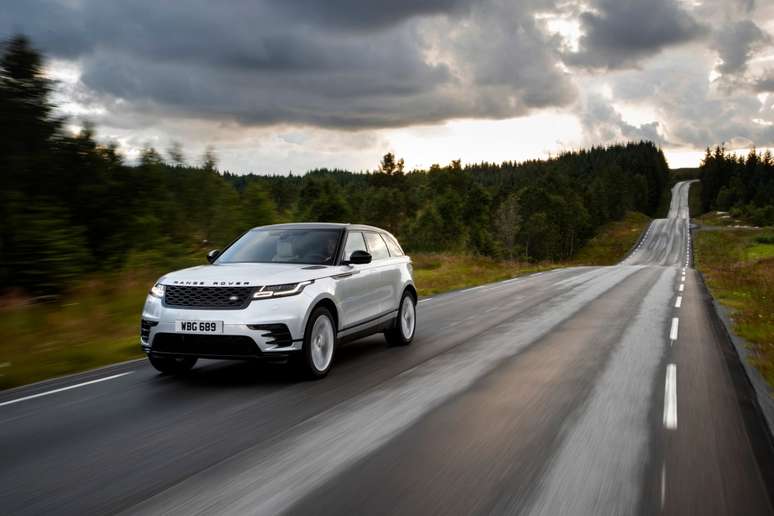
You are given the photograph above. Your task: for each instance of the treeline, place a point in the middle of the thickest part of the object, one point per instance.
(742, 185)
(533, 210)
(71, 206)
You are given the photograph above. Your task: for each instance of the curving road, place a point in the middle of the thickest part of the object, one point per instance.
(589, 390)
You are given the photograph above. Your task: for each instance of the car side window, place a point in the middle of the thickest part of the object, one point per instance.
(393, 246)
(376, 246)
(354, 243)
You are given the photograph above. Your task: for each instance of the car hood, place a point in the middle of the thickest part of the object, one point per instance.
(250, 274)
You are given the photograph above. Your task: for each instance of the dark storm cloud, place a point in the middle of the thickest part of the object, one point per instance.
(365, 15)
(765, 83)
(735, 44)
(747, 6)
(603, 124)
(343, 63)
(620, 33)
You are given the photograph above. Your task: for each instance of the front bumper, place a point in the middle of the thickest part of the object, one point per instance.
(265, 327)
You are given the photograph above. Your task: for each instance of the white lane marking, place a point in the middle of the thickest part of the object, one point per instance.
(679, 301)
(425, 299)
(673, 329)
(670, 398)
(492, 309)
(25, 398)
(682, 287)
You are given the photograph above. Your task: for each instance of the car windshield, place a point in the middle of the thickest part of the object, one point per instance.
(308, 246)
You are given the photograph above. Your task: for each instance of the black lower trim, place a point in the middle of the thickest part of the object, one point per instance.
(374, 325)
(205, 346)
(145, 328)
(369, 321)
(279, 334)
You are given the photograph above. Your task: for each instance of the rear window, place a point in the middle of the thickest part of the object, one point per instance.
(376, 246)
(393, 246)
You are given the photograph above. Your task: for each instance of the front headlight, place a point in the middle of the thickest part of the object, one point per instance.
(157, 290)
(288, 289)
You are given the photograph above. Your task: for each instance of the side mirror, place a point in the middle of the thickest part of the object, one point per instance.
(359, 258)
(213, 255)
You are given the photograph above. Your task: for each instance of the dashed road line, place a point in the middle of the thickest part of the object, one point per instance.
(673, 329)
(679, 301)
(670, 398)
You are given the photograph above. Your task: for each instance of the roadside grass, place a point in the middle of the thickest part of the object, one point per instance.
(723, 219)
(613, 241)
(438, 273)
(738, 265)
(98, 322)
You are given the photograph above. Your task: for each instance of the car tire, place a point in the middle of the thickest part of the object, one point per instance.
(319, 348)
(172, 365)
(405, 325)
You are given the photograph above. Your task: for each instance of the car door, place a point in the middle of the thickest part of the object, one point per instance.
(356, 286)
(383, 280)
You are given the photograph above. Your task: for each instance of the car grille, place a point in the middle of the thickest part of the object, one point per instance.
(208, 297)
(278, 333)
(223, 346)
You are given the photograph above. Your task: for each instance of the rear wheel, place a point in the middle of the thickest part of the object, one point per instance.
(319, 344)
(172, 365)
(402, 332)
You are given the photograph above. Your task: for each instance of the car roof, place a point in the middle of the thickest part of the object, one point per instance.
(323, 225)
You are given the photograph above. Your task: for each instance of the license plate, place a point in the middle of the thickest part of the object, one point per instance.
(199, 326)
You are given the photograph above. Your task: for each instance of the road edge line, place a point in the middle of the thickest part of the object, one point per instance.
(50, 383)
(754, 400)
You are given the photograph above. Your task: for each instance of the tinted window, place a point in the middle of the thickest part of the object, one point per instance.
(354, 243)
(313, 246)
(376, 246)
(393, 246)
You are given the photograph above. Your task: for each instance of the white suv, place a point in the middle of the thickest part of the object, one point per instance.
(282, 292)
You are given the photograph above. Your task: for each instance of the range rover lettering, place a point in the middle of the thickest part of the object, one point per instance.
(285, 292)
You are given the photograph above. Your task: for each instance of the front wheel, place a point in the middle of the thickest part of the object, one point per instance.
(402, 332)
(172, 365)
(319, 344)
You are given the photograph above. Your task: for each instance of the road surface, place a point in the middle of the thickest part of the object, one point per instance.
(588, 390)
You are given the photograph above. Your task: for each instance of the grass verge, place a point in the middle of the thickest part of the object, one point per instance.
(95, 325)
(613, 242)
(438, 273)
(98, 323)
(738, 265)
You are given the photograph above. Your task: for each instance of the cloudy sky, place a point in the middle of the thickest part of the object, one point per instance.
(281, 85)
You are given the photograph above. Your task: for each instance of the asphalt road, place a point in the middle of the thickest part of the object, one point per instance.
(590, 390)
